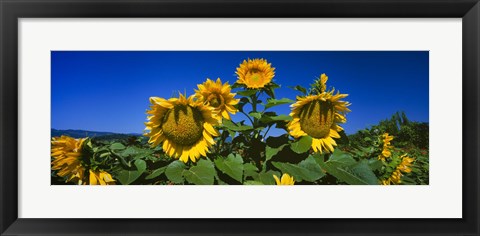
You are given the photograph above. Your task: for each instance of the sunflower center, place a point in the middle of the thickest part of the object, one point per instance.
(255, 75)
(183, 125)
(215, 100)
(316, 118)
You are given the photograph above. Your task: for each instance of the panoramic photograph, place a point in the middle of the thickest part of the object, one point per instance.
(239, 118)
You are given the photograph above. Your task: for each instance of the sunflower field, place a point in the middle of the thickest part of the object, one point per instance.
(192, 139)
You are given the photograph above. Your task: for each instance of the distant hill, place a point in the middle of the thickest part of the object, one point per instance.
(85, 133)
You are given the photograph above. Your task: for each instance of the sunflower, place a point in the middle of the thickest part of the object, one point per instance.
(387, 139)
(395, 178)
(406, 163)
(185, 126)
(67, 158)
(286, 179)
(217, 95)
(255, 73)
(100, 178)
(404, 166)
(387, 147)
(318, 116)
(320, 84)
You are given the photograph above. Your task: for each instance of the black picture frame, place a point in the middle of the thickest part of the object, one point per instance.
(11, 11)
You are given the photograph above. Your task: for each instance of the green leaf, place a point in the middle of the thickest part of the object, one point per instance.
(243, 128)
(88, 144)
(346, 169)
(374, 164)
(252, 182)
(270, 151)
(117, 146)
(308, 170)
(363, 171)
(302, 145)
(300, 88)
(276, 102)
(267, 177)
(257, 115)
(282, 118)
(201, 174)
(268, 119)
(237, 85)
(233, 127)
(135, 152)
(270, 92)
(174, 172)
(232, 166)
(247, 92)
(341, 158)
(128, 176)
(156, 173)
(232, 133)
(122, 160)
(249, 169)
(270, 89)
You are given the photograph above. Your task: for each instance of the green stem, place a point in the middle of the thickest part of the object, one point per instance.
(266, 132)
(254, 103)
(254, 99)
(222, 140)
(251, 121)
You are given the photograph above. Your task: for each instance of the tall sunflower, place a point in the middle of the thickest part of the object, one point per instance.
(403, 167)
(320, 84)
(387, 147)
(255, 73)
(67, 158)
(406, 163)
(285, 180)
(395, 178)
(318, 116)
(183, 125)
(219, 96)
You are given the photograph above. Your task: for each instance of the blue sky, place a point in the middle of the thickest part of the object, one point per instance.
(109, 91)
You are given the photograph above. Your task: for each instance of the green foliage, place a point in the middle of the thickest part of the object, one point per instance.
(410, 139)
(276, 102)
(344, 167)
(245, 154)
(128, 176)
(302, 145)
(270, 151)
(202, 173)
(174, 172)
(308, 170)
(266, 177)
(236, 127)
(254, 162)
(232, 166)
(156, 173)
(406, 132)
(249, 170)
(247, 92)
(300, 89)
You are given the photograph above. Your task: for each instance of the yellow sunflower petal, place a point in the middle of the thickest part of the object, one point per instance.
(277, 180)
